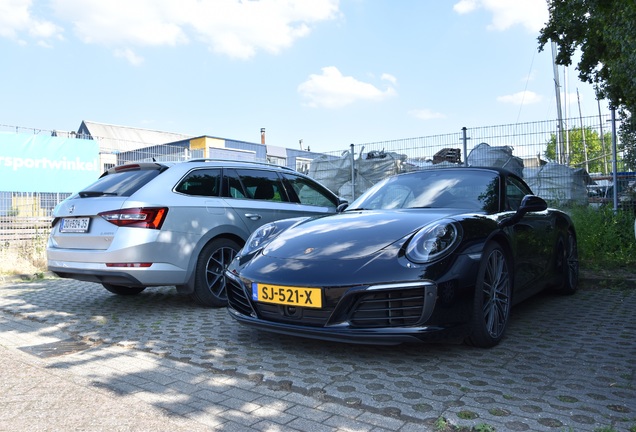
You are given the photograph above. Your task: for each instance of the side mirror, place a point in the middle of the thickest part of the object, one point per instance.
(532, 203)
(529, 203)
(342, 206)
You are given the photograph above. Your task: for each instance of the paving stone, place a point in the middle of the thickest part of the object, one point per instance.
(565, 363)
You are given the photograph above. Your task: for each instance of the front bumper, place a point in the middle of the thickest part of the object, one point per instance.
(384, 322)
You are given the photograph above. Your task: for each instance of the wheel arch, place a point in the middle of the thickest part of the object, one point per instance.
(188, 287)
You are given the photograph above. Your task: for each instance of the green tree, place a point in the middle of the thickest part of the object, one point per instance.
(627, 138)
(592, 146)
(605, 33)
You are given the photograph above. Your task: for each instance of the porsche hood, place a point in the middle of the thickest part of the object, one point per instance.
(348, 235)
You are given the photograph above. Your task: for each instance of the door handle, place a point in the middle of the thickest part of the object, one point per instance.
(253, 216)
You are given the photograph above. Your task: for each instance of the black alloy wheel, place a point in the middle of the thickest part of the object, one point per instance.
(568, 264)
(493, 292)
(209, 283)
(123, 290)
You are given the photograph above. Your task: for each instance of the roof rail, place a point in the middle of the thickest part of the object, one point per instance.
(241, 161)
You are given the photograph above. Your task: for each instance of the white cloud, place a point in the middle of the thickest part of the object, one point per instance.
(235, 28)
(465, 6)
(521, 98)
(240, 29)
(122, 23)
(130, 56)
(426, 114)
(531, 14)
(331, 89)
(390, 78)
(17, 20)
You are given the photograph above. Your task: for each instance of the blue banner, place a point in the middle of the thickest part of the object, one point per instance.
(39, 163)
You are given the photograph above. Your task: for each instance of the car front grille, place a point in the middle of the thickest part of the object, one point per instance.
(237, 298)
(354, 307)
(388, 308)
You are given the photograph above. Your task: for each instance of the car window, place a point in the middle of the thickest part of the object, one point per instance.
(124, 183)
(307, 192)
(232, 186)
(254, 184)
(201, 182)
(477, 191)
(515, 191)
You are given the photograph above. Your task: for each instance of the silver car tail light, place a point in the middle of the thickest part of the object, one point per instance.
(145, 217)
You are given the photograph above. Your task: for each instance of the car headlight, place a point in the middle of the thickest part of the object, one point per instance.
(260, 238)
(266, 233)
(433, 242)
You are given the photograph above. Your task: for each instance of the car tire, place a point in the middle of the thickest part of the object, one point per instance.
(567, 264)
(493, 298)
(209, 278)
(123, 290)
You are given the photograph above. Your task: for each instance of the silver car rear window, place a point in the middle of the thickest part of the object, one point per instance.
(124, 183)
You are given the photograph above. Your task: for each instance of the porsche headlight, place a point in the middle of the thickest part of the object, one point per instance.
(261, 237)
(433, 242)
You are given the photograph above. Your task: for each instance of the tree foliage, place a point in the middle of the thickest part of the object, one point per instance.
(578, 145)
(605, 33)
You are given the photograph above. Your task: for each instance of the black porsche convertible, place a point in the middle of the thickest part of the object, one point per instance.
(430, 254)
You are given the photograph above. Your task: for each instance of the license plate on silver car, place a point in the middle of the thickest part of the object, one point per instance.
(75, 225)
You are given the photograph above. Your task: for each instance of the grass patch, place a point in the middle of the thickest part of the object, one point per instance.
(605, 239)
(443, 425)
(23, 258)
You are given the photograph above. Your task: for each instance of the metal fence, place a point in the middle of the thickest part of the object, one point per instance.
(568, 162)
(572, 161)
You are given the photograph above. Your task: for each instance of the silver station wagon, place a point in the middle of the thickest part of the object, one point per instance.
(152, 224)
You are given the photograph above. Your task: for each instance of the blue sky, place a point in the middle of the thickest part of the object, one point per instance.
(328, 72)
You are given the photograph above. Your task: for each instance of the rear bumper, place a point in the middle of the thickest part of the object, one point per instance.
(114, 278)
(158, 274)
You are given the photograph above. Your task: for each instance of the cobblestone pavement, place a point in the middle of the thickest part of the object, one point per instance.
(567, 364)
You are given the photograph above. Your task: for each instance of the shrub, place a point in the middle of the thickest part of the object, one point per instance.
(605, 238)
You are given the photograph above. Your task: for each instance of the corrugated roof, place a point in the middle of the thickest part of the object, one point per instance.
(124, 138)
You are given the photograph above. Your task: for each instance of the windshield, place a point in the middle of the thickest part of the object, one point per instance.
(447, 188)
(124, 183)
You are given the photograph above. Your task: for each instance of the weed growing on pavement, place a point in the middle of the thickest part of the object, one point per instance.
(443, 425)
(467, 415)
(482, 427)
(567, 399)
(500, 412)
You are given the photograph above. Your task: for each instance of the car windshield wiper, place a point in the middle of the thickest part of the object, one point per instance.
(91, 194)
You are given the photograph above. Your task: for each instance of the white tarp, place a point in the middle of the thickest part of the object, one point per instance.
(483, 155)
(558, 183)
(335, 173)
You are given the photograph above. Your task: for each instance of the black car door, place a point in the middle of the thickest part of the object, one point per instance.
(533, 238)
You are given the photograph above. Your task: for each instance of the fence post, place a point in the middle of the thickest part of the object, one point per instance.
(353, 172)
(465, 139)
(614, 173)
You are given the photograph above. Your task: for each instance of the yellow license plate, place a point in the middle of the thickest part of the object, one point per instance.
(287, 295)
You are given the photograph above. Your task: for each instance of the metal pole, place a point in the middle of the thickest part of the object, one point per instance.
(587, 165)
(600, 122)
(557, 93)
(614, 174)
(353, 172)
(465, 139)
